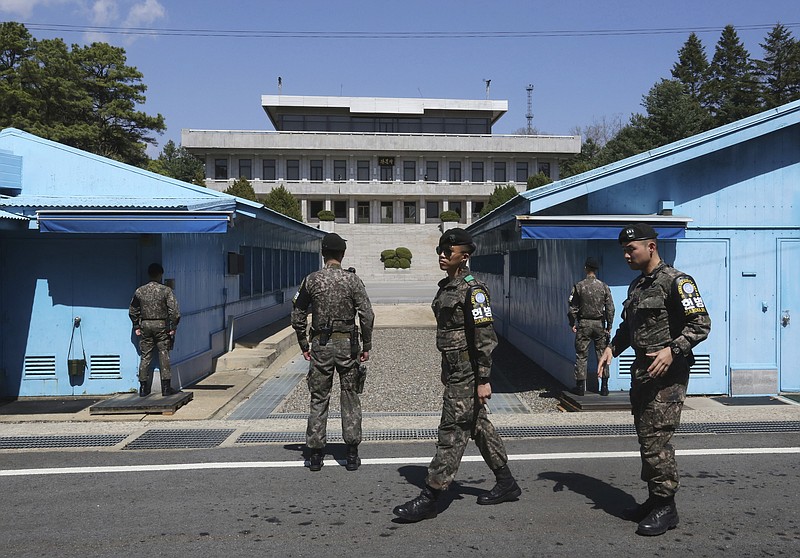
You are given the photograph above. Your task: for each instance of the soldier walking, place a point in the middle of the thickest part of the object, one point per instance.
(591, 313)
(663, 318)
(465, 336)
(335, 297)
(155, 315)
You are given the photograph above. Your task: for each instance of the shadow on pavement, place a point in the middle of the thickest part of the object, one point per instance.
(604, 496)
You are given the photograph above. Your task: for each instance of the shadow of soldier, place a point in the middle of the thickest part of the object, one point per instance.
(415, 475)
(604, 497)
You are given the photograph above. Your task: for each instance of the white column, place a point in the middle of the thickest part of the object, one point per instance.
(468, 210)
(422, 211)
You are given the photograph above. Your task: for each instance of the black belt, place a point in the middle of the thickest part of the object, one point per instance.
(155, 319)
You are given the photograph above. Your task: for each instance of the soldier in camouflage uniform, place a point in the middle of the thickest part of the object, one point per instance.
(663, 317)
(465, 336)
(591, 313)
(334, 296)
(155, 315)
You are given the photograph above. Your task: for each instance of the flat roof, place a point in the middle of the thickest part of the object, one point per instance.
(410, 106)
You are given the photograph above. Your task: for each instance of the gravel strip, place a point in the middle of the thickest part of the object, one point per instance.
(404, 376)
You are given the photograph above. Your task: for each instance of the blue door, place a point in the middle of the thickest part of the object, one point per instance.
(789, 315)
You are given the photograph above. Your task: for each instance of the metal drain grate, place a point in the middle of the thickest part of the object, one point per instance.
(267, 397)
(265, 437)
(180, 439)
(337, 415)
(71, 441)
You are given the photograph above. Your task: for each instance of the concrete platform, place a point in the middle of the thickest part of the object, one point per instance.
(614, 401)
(131, 403)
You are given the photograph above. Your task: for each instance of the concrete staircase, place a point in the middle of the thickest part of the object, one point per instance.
(366, 242)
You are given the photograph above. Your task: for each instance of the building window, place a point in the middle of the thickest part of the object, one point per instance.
(362, 212)
(246, 169)
(409, 212)
(432, 171)
(340, 209)
(500, 171)
(314, 207)
(269, 169)
(362, 170)
(387, 212)
(524, 263)
(340, 170)
(477, 171)
(220, 169)
(316, 169)
(432, 210)
(409, 171)
(455, 171)
(477, 207)
(544, 168)
(292, 169)
(456, 206)
(522, 171)
(387, 174)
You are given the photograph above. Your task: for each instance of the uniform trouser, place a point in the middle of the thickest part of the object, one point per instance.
(462, 418)
(589, 331)
(154, 336)
(656, 415)
(325, 360)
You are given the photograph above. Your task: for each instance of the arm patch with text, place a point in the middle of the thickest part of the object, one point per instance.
(690, 297)
(479, 306)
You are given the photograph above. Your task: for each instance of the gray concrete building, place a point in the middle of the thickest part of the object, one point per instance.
(380, 160)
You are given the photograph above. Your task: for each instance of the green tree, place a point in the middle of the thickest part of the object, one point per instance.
(583, 161)
(86, 97)
(692, 68)
(537, 181)
(779, 71)
(498, 197)
(177, 162)
(732, 89)
(673, 113)
(281, 200)
(242, 189)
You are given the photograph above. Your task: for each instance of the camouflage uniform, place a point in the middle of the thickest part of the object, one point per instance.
(663, 309)
(591, 311)
(335, 297)
(154, 310)
(466, 338)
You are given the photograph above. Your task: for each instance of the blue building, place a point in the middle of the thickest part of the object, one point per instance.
(727, 205)
(77, 232)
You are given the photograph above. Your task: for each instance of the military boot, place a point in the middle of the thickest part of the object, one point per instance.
(638, 512)
(662, 518)
(604, 387)
(144, 389)
(166, 388)
(353, 461)
(315, 461)
(580, 387)
(505, 490)
(421, 507)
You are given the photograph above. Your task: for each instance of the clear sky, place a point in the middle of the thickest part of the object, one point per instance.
(211, 60)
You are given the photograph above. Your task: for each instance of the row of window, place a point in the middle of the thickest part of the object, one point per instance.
(522, 263)
(270, 269)
(363, 168)
(432, 210)
(391, 125)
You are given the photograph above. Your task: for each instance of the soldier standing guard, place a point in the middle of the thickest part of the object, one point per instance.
(663, 317)
(335, 297)
(155, 315)
(465, 336)
(591, 313)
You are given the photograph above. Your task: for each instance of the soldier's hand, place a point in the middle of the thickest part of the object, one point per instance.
(364, 356)
(137, 332)
(307, 355)
(484, 393)
(574, 329)
(605, 361)
(661, 362)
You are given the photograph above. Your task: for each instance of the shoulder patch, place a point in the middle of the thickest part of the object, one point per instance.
(690, 297)
(479, 306)
(468, 278)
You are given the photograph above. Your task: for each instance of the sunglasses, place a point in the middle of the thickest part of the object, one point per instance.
(447, 251)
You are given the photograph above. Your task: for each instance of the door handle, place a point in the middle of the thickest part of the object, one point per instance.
(785, 318)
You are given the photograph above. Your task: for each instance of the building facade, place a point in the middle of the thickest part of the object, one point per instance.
(379, 160)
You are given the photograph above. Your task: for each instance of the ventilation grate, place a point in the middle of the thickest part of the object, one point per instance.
(105, 367)
(72, 441)
(702, 365)
(41, 366)
(180, 439)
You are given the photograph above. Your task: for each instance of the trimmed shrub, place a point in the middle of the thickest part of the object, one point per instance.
(391, 263)
(326, 215)
(449, 216)
(404, 263)
(403, 252)
(386, 254)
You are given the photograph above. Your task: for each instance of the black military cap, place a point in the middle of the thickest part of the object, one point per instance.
(637, 231)
(155, 269)
(334, 242)
(591, 263)
(455, 237)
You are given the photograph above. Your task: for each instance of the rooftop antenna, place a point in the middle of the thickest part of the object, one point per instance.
(280, 85)
(487, 82)
(529, 116)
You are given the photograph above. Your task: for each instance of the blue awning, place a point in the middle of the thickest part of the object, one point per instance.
(572, 232)
(597, 227)
(136, 223)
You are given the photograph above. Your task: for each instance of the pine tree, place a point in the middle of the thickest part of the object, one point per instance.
(281, 200)
(242, 189)
(732, 89)
(779, 71)
(176, 162)
(691, 69)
